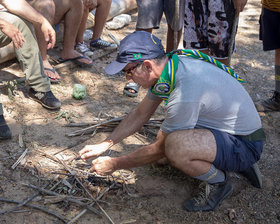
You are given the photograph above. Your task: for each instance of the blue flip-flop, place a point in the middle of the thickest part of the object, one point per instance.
(76, 60)
(53, 80)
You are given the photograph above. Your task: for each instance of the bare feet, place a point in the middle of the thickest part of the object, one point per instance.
(50, 72)
(74, 54)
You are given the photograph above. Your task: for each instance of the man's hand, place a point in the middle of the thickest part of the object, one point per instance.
(12, 32)
(103, 165)
(49, 33)
(239, 6)
(90, 151)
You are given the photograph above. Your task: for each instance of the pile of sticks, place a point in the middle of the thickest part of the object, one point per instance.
(108, 125)
(74, 184)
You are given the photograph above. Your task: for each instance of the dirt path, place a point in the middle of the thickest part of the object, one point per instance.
(151, 194)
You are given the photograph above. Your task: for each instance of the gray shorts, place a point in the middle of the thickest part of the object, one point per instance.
(208, 25)
(150, 13)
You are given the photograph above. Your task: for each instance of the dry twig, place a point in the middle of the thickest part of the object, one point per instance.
(20, 159)
(36, 207)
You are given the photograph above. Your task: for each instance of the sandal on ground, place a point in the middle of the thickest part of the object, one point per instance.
(78, 62)
(131, 86)
(53, 80)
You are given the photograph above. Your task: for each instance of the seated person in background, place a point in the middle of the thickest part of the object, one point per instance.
(102, 11)
(71, 11)
(14, 27)
(209, 117)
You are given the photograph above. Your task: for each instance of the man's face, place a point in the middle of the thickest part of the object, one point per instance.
(134, 71)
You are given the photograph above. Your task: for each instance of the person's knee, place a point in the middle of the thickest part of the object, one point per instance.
(105, 2)
(78, 4)
(46, 8)
(173, 152)
(170, 146)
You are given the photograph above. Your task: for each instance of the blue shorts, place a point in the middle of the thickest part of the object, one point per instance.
(234, 153)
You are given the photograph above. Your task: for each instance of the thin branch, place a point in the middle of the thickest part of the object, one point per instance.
(85, 210)
(36, 207)
(66, 198)
(20, 158)
(81, 131)
(90, 195)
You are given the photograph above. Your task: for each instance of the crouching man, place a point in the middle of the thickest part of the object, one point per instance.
(211, 124)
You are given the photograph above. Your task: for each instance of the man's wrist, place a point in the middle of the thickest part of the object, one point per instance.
(109, 142)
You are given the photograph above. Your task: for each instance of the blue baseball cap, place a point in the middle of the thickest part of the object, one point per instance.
(136, 47)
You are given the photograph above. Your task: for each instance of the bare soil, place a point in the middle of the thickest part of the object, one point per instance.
(148, 194)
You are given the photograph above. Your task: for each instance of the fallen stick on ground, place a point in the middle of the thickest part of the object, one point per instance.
(113, 122)
(65, 198)
(23, 202)
(36, 207)
(20, 159)
(81, 131)
(85, 210)
(86, 190)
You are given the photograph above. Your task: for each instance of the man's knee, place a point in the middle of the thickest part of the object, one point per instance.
(171, 142)
(45, 7)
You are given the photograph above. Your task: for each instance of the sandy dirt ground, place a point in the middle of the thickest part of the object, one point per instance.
(149, 194)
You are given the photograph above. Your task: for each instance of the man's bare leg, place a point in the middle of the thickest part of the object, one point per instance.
(193, 151)
(170, 39)
(47, 9)
(71, 11)
(102, 12)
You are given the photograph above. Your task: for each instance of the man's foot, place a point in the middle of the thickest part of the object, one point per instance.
(83, 49)
(271, 104)
(5, 132)
(50, 72)
(76, 57)
(253, 174)
(102, 44)
(47, 99)
(211, 198)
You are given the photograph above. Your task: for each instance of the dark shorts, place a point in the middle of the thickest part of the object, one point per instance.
(270, 29)
(234, 153)
(150, 13)
(208, 25)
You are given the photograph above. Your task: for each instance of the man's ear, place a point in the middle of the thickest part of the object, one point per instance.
(148, 65)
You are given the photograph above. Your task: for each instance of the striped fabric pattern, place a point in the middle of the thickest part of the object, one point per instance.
(273, 5)
(199, 55)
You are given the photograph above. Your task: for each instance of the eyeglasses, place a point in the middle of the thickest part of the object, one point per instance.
(128, 72)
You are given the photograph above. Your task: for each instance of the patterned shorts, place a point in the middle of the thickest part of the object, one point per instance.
(208, 25)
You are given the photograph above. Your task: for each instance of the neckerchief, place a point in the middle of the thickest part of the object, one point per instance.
(165, 84)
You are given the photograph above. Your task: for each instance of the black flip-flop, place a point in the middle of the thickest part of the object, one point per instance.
(76, 60)
(53, 80)
(131, 86)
